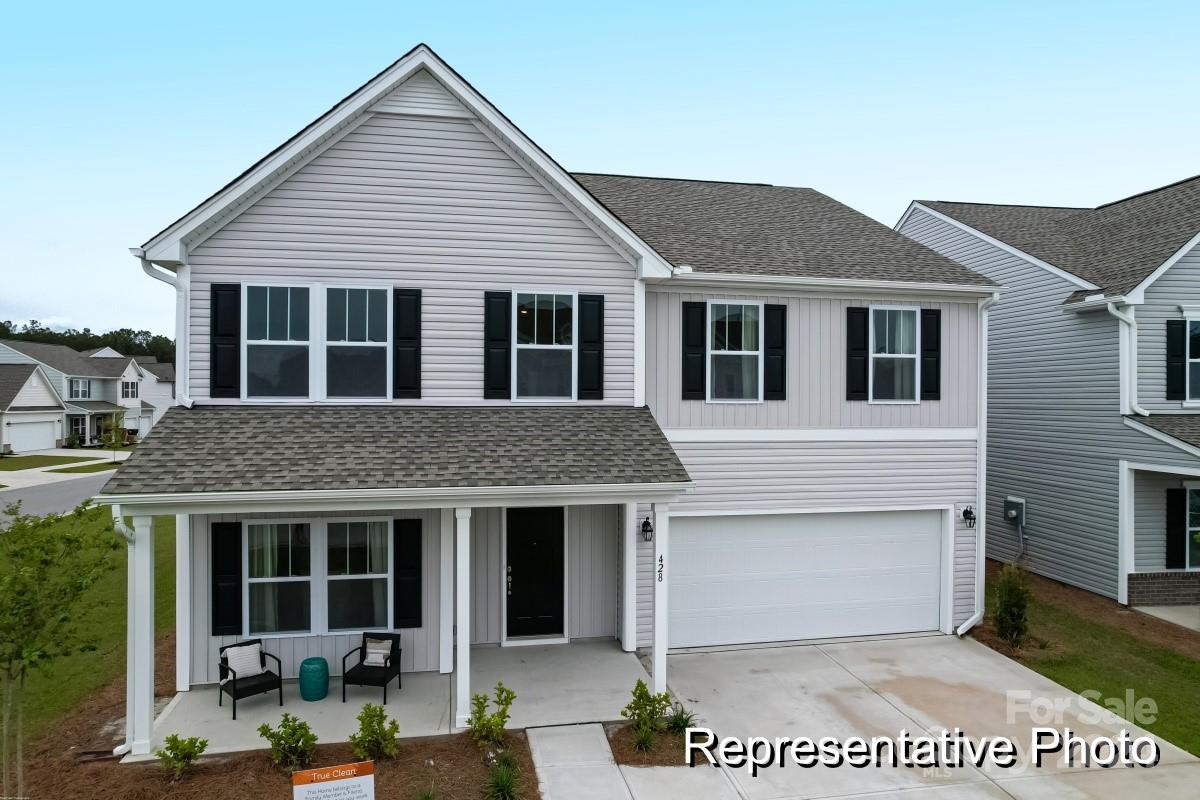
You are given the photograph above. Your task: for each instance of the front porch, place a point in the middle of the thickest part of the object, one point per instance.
(1159, 551)
(585, 681)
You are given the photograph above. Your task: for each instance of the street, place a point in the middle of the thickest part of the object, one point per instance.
(58, 497)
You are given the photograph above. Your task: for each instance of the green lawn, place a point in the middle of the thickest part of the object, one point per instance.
(1074, 647)
(12, 463)
(98, 466)
(101, 614)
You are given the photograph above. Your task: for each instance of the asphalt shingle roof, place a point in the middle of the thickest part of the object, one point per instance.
(1115, 246)
(164, 372)
(1184, 427)
(303, 448)
(759, 229)
(68, 361)
(12, 378)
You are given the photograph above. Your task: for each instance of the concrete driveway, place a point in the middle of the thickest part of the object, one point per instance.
(922, 684)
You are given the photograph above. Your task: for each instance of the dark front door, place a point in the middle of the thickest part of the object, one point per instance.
(535, 572)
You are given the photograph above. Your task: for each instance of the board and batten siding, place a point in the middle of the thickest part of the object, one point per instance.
(1055, 431)
(740, 477)
(431, 203)
(816, 368)
(1178, 286)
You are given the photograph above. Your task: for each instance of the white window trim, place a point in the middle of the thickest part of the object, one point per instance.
(129, 390)
(1192, 486)
(1191, 315)
(322, 359)
(318, 577)
(521, 641)
(916, 355)
(708, 351)
(573, 347)
(85, 388)
(313, 294)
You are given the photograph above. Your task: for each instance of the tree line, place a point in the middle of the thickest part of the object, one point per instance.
(125, 341)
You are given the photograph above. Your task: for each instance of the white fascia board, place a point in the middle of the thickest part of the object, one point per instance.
(1094, 303)
(1137, 296)
(169, 246)
(775, 282)
(685, 435)
(1008, 248)
(381, 499)
(1154, 433)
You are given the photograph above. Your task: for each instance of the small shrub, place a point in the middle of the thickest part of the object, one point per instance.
(646, 708)
(293, 743)
(643, 737)
(1012, 605)
(427, 794)
(501, 783)
(679, 719)
(72, 442)
(488, 728)
(178, 754)
(506, 758)
(377, 735)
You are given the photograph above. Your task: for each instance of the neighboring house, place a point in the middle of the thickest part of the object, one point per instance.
(94, 385)
(429, 381)
(31, 411)
(158, 386)
(1094, 384)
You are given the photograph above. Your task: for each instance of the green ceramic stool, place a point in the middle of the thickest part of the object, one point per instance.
(314, 678)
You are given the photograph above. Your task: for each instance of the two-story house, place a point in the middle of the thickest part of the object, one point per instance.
(430, 382)
(1094, 446)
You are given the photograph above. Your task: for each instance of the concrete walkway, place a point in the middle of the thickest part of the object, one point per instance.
(41, 476)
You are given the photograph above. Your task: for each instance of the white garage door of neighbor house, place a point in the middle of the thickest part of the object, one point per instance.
(774, 578)
(26, 436)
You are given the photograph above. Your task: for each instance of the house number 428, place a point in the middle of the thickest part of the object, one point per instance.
(660, 568)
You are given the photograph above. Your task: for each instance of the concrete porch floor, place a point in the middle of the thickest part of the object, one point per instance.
(1186, 616)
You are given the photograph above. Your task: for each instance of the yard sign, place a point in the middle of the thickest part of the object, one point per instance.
(345, 782)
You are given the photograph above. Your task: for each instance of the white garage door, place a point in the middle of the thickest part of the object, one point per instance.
(772, 578)
(26, 436)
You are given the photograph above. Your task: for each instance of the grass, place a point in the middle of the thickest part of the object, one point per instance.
(99, 466)
(1073, 645)
(52, 692)
(13, 463)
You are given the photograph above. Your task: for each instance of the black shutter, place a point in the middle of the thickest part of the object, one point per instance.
(225, 545)
(857, 353)
(497, 345)
(694, 324)
(1176, 359)
(406, 343)
(775, 352)
(931, 354)
(406, 573)
(1177, 528)
(224, 340)
(591, 347)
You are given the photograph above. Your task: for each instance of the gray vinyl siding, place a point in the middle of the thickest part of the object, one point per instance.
(421, 95)
(428, 203)
(1055, 432)
(816, 369)
(1150, 519)
(11, 356)
(1180, 285)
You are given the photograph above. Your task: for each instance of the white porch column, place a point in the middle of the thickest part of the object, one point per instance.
(446, 592)
(462, 629)
(183, 602)
(662, 530)
(629, 537)
(139, 713)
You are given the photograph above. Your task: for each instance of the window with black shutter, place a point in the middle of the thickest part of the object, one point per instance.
(406, 578)
(406, 343)
(225, 550)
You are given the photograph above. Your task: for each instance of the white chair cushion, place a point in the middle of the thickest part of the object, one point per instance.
(377, 651)
(245, 660)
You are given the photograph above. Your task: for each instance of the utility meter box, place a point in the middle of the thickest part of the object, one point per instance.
(1014, 510)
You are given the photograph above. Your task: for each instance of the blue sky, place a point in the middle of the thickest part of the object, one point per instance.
(120, 117)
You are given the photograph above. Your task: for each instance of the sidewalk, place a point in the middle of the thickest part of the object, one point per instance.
(39, 476)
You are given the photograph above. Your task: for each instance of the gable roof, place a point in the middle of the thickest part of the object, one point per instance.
(13, 378)
(760, 229)
(1117, 247)
(164, 372)
(68, 361)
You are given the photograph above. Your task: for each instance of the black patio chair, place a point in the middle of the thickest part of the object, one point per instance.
(363, 674)
(238, 688)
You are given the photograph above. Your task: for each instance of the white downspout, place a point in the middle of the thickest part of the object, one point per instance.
(1129, 324)
(182, 386)
(985, 303)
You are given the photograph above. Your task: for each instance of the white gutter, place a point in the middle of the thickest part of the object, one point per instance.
(182, 385)
(985, 303)
(119, 524)
(685, 274)
(1129, 324)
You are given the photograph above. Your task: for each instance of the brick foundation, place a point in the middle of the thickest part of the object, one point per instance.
(1176, 588)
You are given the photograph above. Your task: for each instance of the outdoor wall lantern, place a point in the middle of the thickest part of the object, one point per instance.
(647, 530)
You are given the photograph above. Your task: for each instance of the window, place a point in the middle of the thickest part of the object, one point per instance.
(79, 427)
(81, 389)
(358, 567)
(278, 587)
(356, 351)
(276, 361)
(545, 346)
(893, 355)
(1193, 359)
(129, 390)
(1192, 560)
(734, 352)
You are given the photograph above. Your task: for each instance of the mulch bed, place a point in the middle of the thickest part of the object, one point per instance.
(667, 750)
(1097, 609)
(60, 765)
